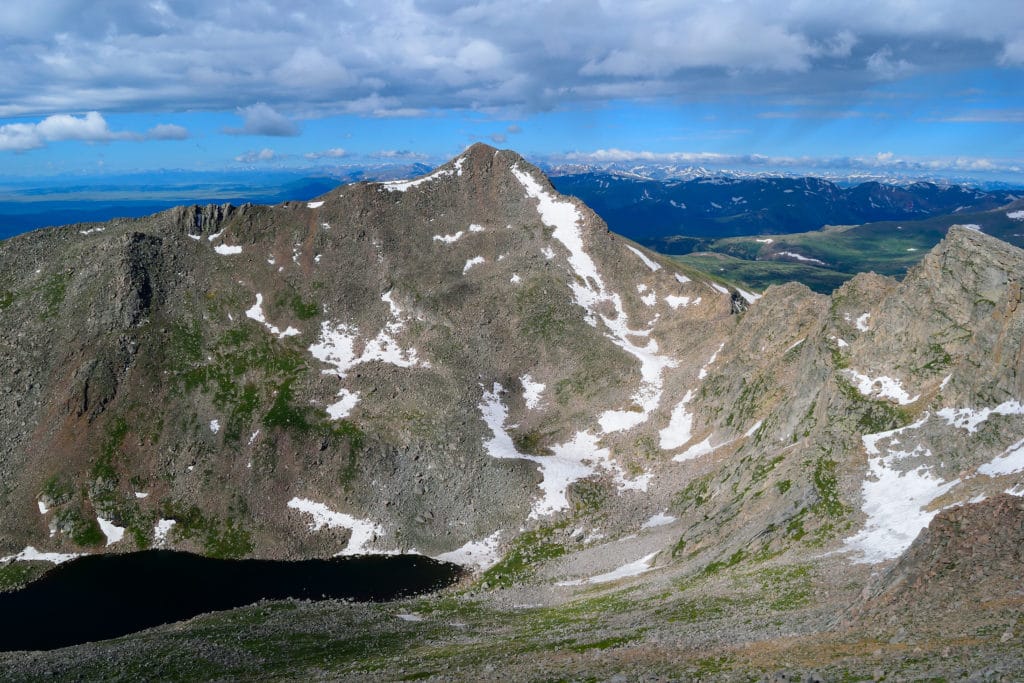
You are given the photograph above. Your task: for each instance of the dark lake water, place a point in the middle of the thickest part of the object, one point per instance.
(105, 596)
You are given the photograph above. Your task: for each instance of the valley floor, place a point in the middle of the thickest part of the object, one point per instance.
(749, 622)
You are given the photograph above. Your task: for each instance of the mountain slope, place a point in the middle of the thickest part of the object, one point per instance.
(231, 337)
(472, 366)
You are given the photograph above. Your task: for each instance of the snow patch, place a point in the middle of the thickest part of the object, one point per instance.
(680, 426)
(141, 495)
(92, 230)
(970, 418)
(862, 322)
(113, 532)
(1010, 462)
(30, 554)
(649, 299)
(43, 508)
(719, 288)
(971, 226)
(403, 185)
(214, 426)
(363, 531)
(449, 239)
(480, 555)
(660, 519)
(801, 257)
(894, 501)
(749, 297)
(343, 407)
(637, 568)
(680, 301)
(881, 387)
(515, 279)
(227, 250)
(697, 450)
(161, 530)
(475, 261)
(681, 279)
(767, 240)
(531, 391)
(314, 205)
(705, 447)
(410, 617)
(1015, 215)
(704, 370)
(569, 462)
(336, 346)
(647, 262)
(256, 313)
(337, 343)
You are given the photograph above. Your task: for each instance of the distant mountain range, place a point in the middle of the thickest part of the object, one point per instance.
(669, 171)
(663, 213)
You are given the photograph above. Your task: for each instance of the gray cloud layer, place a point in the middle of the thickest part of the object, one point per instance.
(400, 57)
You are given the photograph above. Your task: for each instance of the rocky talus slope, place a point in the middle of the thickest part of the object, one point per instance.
(966, 568)
(648, 470)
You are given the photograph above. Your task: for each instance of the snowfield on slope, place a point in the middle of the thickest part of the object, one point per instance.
(569, 462)
(480, 555)
(636, 568)
(256, 313)
(882, 387)
(336, 347)
(896, 499)
(363, 531)
(590, 293)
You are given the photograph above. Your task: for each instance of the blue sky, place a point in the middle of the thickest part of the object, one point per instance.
(916, 87)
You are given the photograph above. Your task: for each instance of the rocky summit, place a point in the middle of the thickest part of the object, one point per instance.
(648, 471)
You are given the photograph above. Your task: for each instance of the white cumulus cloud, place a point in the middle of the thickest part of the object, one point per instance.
(90, 127)
(262, 155)
(262, 119)
(333, 153)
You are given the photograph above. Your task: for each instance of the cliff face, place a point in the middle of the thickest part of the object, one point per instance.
(441, 363)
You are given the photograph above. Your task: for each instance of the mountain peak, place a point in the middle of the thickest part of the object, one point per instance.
(469, 363)
(966, 253)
